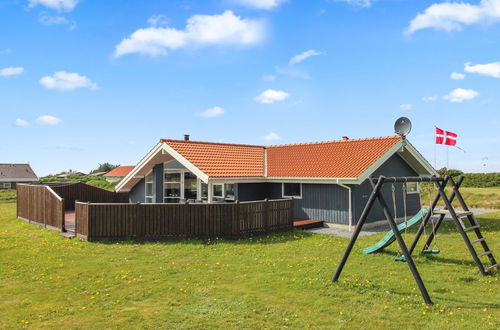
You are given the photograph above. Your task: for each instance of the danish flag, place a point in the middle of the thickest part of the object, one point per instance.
(445, 137)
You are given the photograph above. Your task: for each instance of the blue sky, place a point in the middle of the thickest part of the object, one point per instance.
(84, 81)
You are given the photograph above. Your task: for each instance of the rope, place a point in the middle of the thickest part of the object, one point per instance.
(404, 205)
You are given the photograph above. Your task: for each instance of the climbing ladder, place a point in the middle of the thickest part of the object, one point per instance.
(458, 217)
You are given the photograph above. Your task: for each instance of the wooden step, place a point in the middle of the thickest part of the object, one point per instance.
(491, 267)
(485, 254)
(482, 239)
(472, 228)
(307, 224)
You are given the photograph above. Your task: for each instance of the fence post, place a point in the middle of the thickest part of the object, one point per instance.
(63, 216)
(29, 204)
(136, 220)
(44, 207)
(236, 223)
(266, 215)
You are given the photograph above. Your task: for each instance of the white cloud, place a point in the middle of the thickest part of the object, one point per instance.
(360, 3)
(5, 51)
(268, 77)
(301, 57)
(430, 98)
(21, 122)
(457, 76)
(48, 120)
(270, 96)
(459, 95)
(61, 5)
(449, 16)
(11, 71)
(272, 137)
(260, 4)
(406, 106)
(158, 20)
(213, 112)
(66, 81)
(200, 31)
(47, 19)
(489, 69)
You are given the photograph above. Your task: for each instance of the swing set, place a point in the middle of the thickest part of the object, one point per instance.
(457, 216)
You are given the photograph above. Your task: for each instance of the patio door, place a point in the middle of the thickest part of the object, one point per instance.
(172, 184)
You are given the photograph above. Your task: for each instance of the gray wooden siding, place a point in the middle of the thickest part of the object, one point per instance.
(137, 193)
(394, 166)
(327, 202)
(158, 183)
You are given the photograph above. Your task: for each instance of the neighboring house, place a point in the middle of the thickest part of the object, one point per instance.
(328, 180)
(97, 174)
(65, 175)
(118, 173)
(11, 174)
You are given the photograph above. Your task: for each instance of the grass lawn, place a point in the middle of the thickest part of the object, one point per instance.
(275, 281)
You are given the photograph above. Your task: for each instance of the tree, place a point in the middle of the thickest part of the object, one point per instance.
(105, 167)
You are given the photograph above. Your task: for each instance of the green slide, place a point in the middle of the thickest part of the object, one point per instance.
(389, 237)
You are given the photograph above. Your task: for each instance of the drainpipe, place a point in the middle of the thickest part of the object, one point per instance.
(349, 189)
(210, 192)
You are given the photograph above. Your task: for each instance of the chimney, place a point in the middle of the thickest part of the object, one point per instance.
(186, 137)
(345, 138)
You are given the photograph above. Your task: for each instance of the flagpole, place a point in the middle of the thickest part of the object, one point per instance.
(447, 157)
(435, 157)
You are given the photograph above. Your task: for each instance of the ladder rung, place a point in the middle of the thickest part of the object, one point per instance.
(478, 240)
(485, 254)
(491, 267)
(471, 228)
(460, 214)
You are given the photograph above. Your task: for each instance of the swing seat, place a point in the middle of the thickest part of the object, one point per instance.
(401, 258)
(432, 251)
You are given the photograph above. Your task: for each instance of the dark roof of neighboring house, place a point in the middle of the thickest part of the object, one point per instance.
(120, 171)
(340, 159)
(17, 172)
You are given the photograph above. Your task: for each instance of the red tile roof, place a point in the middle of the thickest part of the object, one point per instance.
(120, 171)
(222, 159)
(331, 159)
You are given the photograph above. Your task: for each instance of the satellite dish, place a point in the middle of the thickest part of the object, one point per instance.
(402, 127)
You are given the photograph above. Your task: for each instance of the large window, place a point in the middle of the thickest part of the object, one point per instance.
(290, 190)
(229, 192)
(190, 185)
(172, 186)
(148, 180)
(218, 190)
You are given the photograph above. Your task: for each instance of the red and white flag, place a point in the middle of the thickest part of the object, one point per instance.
(445, 137)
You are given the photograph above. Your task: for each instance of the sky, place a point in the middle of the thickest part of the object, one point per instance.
(84, 82)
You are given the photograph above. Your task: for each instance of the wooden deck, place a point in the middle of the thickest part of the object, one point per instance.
(307, 224)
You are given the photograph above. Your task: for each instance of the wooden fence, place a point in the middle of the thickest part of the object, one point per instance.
(40, 205)
(82, 192)
(179, 221)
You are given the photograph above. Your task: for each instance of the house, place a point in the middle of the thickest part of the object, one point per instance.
(118, 173)
(69, 173)
(328, 180)
(10, 174)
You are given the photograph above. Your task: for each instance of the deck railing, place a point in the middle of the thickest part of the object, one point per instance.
(179, 221)
(40, 205)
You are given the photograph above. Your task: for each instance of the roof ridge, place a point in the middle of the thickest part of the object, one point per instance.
(337, 141)
(217, 143)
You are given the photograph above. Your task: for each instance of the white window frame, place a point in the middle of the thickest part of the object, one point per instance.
(181, 183)
(413, 192)
(222, 190)
(283, 190)
(146, 182)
